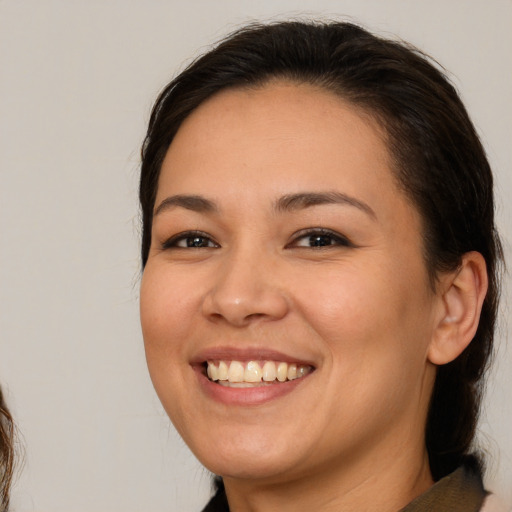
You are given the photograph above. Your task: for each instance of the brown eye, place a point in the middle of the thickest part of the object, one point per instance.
(196, 241)
(319, 238)
(190, 240)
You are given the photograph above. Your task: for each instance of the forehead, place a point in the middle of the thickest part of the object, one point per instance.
(283, 111)
(280, 130)
(278, 139)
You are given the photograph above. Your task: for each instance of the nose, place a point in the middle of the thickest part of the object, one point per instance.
(245, 290)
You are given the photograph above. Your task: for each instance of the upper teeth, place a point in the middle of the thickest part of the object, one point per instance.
(255, 371)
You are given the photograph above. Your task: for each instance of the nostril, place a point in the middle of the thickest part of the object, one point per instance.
(254, 316)
(239, 302)
(236, 319)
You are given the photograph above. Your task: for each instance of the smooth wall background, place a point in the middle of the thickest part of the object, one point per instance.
(77, 81)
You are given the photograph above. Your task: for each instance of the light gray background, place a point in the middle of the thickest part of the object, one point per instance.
(77, 80)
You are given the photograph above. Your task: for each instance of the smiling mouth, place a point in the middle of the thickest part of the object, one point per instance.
(237, 374)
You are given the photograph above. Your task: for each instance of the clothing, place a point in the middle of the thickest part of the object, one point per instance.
(460, 491)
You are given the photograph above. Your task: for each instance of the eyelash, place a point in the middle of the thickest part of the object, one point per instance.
(172, 243)
(311, 233)
(338, 239)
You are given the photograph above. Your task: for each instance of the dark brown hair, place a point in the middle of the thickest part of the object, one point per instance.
(6, 453)
(437, 155)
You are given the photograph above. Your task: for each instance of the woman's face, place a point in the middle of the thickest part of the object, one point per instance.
(280, 238)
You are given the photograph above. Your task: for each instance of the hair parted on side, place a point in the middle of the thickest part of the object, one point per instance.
(438, 159)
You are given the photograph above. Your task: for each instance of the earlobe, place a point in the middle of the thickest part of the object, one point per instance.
(462, 298)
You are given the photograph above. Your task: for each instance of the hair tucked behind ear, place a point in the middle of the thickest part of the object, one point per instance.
(6, 453)
(438, 160)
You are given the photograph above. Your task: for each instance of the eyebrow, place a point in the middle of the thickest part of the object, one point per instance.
(292, 202)
(286, 203)
(189, 202)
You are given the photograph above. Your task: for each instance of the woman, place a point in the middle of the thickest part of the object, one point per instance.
(320, 272)
(6, 453)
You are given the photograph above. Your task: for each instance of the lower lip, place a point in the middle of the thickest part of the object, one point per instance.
(246, 396)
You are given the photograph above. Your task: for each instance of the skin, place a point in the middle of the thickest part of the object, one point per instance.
(351, 435)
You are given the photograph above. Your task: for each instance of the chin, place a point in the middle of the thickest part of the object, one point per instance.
(247, 457)
(253, 467)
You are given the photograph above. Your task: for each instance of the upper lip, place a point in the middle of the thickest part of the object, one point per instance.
(227, 353)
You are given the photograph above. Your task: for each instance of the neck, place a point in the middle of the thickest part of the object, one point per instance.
(382, 484)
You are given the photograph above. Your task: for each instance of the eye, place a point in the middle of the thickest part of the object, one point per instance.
(318, 239)
(190, 240)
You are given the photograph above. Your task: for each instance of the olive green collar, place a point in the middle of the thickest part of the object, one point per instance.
(460, 491)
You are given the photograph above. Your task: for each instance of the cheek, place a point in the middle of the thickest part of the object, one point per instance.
(164, 308)
(166, 301)
(369, 316)
(375, 330)
(345, 300)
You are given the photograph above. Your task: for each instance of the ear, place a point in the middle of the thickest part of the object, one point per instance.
(462, 295)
